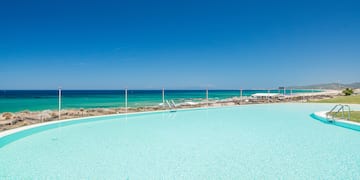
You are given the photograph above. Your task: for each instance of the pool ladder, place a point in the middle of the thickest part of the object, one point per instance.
(171, 105)
(337, 109)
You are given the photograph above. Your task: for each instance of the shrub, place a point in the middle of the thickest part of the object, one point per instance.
(348, 91)
(7, 115)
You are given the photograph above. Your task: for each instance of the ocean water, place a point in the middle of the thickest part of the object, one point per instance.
(34, 100)
(264, 141)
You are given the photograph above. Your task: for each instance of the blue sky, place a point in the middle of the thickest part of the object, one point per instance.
(177, 44)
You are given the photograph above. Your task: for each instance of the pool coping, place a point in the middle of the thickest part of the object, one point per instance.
(15, 130)
(321, 115)
(23, 128)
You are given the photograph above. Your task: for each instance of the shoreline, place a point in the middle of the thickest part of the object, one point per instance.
(15, 101)
(26, 118)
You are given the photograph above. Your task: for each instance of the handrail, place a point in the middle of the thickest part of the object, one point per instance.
(327, 114)
(340, 109)
(167, 102)
(349, 112)
(171, 105)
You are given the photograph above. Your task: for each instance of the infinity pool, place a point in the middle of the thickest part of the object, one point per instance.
(264, 141)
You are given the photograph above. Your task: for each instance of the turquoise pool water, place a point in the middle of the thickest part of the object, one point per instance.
(264, 141)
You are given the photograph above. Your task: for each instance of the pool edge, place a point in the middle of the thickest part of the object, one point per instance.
(321, 116)
(23, 128)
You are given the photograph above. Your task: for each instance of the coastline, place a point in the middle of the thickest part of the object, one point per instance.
(38, 100)
(25, 118)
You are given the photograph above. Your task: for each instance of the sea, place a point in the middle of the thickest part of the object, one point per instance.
(37, 100)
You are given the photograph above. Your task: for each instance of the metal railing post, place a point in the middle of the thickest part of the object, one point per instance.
(59, 103)
(241, 96)
(163, 97)
(207, 97)
(126, 100)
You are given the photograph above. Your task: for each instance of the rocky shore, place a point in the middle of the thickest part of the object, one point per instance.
(13, 120)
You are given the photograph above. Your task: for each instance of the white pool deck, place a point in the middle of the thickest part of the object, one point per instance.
(322, 114)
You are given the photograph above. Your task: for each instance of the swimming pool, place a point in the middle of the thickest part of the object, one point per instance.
(248, 142)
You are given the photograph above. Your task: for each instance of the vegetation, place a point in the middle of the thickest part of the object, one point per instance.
(355, 99)
(342, 99)
(354, 116)
(348, 91)
(7, 115)
(82, 111)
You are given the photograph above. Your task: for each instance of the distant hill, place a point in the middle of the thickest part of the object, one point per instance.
(328, 86)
